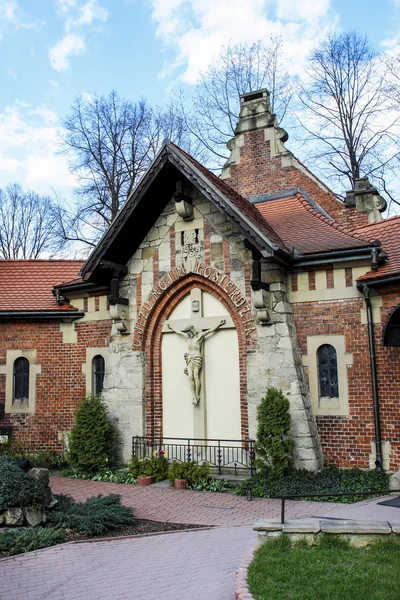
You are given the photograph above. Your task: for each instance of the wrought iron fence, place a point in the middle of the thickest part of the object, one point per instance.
(224, 455)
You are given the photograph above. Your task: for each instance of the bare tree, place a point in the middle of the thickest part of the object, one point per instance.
(239, 69)
(28, 224)
(111, 142)
(348, 118)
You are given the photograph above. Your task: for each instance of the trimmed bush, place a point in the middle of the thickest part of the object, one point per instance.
(190, 470)
(92, 438)
(156, 467)
(18, 541)
(18, 489)
(96, 515)
(328, 481)
(274, 450)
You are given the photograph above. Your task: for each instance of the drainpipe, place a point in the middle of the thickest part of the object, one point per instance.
(374, 379)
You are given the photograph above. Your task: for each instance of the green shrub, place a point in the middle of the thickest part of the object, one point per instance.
(47, 459)
(96, 515)
(92, 438)
(18, 489)
(157, 467)
(27, 539)
(190, 470)
(274, 450)
(306, 483)
(108, 475)
(212, 485)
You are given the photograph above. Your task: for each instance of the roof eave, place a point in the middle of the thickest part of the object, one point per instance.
(7, 315)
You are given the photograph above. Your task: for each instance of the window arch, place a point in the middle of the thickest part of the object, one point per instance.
(327, 372)
(21, 379)
(98, 369)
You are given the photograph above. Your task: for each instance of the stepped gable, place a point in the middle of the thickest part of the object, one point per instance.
(388, 233)
(26, 285)
(307, 228)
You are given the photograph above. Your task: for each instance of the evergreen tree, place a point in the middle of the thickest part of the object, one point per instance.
(92, 438)
(274, 449)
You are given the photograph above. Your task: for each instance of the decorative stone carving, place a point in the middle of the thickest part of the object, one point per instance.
(190, 252)
(184, 210)
(194, 357)
(365, 198)
(261, 304)
(120, 316)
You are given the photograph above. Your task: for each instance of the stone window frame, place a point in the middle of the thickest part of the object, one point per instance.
(20, 406)
(87, 367)
(328, 406)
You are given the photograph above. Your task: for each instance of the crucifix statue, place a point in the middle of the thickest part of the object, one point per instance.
(194, 356)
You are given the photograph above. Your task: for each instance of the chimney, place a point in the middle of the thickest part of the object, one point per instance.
(257, 150)
(366, 199)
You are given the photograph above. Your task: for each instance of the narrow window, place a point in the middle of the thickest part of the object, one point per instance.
(98, 367)
(21, 379)
(327, 372)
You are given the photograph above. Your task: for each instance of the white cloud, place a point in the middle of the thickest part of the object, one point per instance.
(76, 18)
(71, 44)
(13, 18)
(28, 152)
(197, 29)
(12, 74)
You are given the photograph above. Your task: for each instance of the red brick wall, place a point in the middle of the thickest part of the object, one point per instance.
(346, 441)
(61, 384)
(259, 173)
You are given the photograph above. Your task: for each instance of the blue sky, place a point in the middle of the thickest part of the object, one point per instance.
(52, 51)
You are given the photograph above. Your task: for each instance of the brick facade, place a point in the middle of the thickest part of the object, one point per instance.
(61, 384)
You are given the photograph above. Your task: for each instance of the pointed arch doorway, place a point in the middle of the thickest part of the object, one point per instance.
(217, 414)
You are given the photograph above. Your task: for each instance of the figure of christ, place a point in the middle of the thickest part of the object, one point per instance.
(194, 356)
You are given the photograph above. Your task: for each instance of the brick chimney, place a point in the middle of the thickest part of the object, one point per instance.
(260, 163)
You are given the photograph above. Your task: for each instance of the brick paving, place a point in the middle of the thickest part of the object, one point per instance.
(195, 565)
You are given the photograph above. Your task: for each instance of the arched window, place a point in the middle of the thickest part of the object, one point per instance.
(21, 379)
(327, 372)
(98, 368)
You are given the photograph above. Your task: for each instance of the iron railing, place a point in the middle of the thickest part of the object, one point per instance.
(224, 455)
(283, 499)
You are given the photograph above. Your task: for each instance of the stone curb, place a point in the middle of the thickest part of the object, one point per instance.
(242, 591)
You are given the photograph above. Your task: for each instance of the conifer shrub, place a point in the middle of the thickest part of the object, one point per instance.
(97, 515)
(26, 539)
(18, 489)
(92, 438)
(156, 467)
(274, 449)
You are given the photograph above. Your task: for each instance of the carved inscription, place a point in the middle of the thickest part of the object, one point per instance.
(214, 275)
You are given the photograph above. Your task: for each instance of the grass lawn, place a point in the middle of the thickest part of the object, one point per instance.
(333, 570)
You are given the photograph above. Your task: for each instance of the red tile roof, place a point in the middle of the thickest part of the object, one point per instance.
(301, 226)
(26, 285)
(239, 202)
(388, 233)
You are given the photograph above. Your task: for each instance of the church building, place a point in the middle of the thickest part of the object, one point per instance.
(206, 291)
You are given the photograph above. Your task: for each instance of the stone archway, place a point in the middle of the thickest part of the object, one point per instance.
(150, 340)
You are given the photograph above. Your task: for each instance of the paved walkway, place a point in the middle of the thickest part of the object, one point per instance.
(199, 565)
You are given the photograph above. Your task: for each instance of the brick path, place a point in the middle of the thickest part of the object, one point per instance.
(194, 565)
(184, 506)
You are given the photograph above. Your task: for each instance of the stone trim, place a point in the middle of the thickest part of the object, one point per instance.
(161, 310)
(358, 533)
(17, 407)
(331, 406)
(87, 367)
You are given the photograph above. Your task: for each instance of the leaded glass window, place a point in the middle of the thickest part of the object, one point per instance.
(21, 379)
(98, 368)
(328, 372)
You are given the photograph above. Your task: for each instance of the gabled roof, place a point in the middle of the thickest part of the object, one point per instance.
(26, 285)
(388, 232)
(156, 189)
(305, 227)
